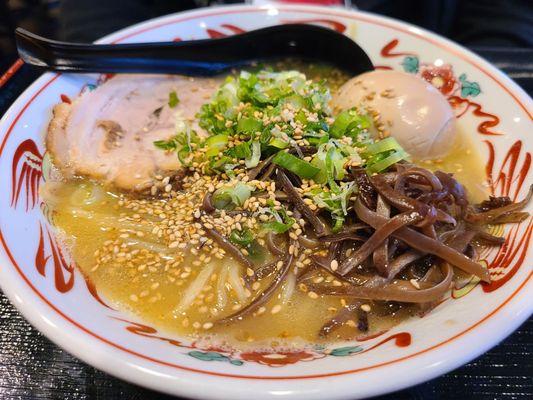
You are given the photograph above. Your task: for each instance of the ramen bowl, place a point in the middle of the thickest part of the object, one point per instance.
(41, 280)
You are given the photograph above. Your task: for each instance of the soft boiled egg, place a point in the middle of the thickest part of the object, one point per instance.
(412, 110)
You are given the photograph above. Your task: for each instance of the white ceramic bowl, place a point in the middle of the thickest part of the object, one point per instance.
(54, 297)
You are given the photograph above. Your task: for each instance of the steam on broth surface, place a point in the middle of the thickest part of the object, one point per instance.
(167, 258)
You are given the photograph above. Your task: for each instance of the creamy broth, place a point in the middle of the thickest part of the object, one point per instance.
(89, 217)
(466, 165)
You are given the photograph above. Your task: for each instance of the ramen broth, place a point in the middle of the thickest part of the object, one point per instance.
(89, 217)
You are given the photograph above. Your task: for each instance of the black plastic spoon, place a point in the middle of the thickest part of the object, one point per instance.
(197, 57)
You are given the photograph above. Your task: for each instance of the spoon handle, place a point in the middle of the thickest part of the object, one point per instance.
(195, 57)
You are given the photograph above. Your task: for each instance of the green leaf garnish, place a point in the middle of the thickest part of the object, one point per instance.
(382, 154)
(282, 222)
(170, 144)
(229, 197)
(300, 167)
(241, 237)
(173, 100)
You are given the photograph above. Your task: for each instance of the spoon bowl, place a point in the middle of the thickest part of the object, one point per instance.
(197, 57)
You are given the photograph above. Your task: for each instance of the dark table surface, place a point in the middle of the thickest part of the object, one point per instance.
(32, 367)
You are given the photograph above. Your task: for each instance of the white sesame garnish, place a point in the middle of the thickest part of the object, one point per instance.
(276, 309)
(312, 295)
(366, 308)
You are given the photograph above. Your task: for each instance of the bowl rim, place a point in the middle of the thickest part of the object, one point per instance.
(515, 309)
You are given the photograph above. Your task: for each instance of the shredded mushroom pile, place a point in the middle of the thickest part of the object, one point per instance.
(398, 221)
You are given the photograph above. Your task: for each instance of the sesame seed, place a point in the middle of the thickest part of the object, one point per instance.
(312, 295)
(334, 265)
(276, 309)
(366, 308)
(207, 325)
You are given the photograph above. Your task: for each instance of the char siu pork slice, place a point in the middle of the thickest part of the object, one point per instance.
(108, 133)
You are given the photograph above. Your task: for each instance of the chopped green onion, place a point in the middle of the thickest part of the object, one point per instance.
(173, 100)
(249, 125)
(349, 123)
(257, 253)
(227, 198)
(317, 140)
(182, 143)
(254, 158)
(220, 164)
(278, 143)
(338, 222)
(301, 168)
(296, 101)
(382, 146)
(331, 167)
(336, 202)
(330, 159)
(241, 237)
(183, 155)
(166, 144)
(277, 227)
(382, 154)
(215, 144)
(300, 117)
(385, 163)
(282, 222)
(242, 150)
